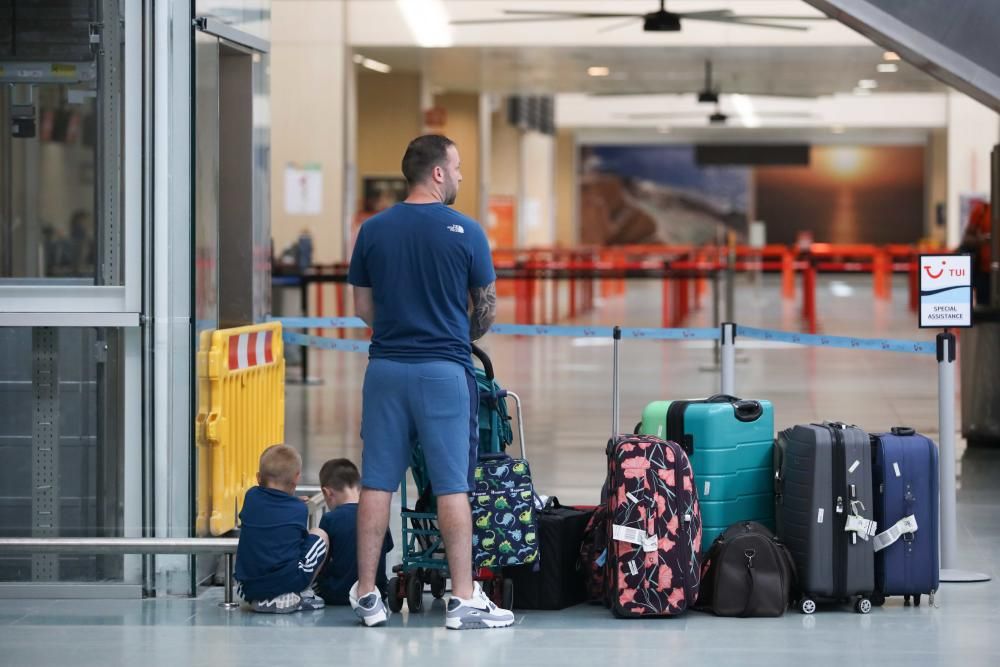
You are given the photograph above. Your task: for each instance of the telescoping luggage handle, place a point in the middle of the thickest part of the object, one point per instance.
(617, 336)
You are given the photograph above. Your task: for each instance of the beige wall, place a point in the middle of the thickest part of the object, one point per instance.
(462, 127)
(566, 227)
(523, 165)
(388, 119)
(307, 116)
(536, 215)
(505, 162)
(936, 181)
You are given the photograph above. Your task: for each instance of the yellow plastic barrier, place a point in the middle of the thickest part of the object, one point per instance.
(241, 412)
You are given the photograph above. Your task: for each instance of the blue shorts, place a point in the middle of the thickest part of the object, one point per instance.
(292, 577)
(434, 403)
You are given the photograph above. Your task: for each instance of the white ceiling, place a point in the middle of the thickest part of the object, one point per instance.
(651, 72)
(780, 71)
(384, 23)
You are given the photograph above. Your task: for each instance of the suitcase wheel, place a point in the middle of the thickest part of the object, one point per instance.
(878, 599)
(863, 606)
(906, 600)
(807, 605)
(916, 600)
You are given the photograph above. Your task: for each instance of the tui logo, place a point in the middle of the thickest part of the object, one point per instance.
(932, 274)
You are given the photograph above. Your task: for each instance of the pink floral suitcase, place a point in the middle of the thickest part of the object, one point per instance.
(653, 523)
(654, 526)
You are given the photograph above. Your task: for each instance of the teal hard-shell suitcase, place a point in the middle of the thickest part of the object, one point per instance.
(730, 443)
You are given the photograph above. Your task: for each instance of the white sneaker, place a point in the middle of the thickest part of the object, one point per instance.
(369, 607)
(310, 600)
(282, 604)
(476, 613)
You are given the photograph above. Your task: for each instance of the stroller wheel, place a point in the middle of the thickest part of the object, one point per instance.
(395, 600)
(438, 584)
(414, 593)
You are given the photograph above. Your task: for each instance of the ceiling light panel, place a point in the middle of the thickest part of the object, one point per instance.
(428, 21)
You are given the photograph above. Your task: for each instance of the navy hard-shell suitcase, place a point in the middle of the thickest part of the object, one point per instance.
(905, 476)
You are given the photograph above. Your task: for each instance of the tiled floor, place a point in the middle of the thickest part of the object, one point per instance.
(566, 387)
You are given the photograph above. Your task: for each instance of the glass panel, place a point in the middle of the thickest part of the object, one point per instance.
(61, 444)
(60, 141)
(251, 16)
(262, 185)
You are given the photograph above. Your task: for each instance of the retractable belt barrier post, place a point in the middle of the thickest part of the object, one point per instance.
(946, 441)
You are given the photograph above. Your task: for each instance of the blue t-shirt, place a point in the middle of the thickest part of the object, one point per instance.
(271, 539)
(341, 570)
(421, 260)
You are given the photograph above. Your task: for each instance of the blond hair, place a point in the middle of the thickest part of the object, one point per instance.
(279, 466)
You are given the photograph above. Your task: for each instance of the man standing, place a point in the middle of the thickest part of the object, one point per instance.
(424, 282)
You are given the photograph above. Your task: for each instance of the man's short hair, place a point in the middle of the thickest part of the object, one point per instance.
(339, 475)
(279, 465)
(422, 155)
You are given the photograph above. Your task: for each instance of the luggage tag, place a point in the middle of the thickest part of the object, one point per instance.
(859, 525)
(649, 543)
(905, 525)
(626, 534)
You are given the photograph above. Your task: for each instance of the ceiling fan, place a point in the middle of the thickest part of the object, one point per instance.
(655, 21)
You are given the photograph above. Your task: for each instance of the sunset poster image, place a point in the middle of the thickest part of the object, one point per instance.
(661, 195)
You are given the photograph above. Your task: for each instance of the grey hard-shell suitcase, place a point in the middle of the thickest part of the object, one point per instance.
(825, 511)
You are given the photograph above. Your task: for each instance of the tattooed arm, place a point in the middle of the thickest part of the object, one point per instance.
(364, 305)
(482, 310)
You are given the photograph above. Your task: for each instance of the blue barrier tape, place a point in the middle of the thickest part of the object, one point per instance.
(321, 322)
(670, 334)
(817, 340)
(286, 281)
(319, 342)
(550, 330)
(603, 332)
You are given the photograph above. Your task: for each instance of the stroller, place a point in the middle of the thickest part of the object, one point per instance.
(424, 559)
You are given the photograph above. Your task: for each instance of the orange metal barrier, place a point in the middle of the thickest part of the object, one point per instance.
(241, 412)
(540, 298)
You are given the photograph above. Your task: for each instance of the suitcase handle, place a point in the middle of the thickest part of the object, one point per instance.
(748, 411)
(903, 430)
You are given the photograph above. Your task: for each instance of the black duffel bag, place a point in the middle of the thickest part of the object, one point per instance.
(559, 581)
(747, 572)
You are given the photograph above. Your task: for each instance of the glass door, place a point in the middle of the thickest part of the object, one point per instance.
(70, 279)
